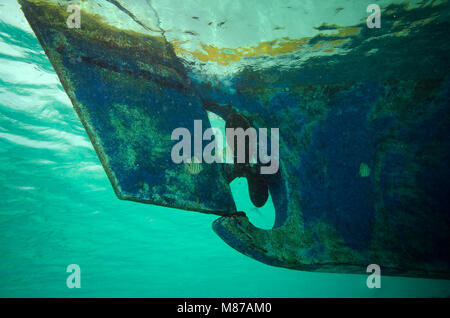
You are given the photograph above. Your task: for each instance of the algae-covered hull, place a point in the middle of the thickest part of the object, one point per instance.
(363, 117)
(130, 91)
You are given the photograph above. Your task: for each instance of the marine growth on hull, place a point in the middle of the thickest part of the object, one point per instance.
(349, 109)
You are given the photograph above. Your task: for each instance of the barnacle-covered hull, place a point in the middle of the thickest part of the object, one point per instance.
(363, 116)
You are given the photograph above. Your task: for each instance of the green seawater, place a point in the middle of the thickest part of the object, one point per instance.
(57, 208)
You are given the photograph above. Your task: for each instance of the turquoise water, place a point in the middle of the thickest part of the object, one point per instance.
(58, 208)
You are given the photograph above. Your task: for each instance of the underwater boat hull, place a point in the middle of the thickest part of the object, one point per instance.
(363, 173)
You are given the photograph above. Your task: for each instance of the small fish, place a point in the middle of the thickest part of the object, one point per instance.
(195, 18)
(193, 166)
(364, 170)
(191, 33)
(221, 23)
